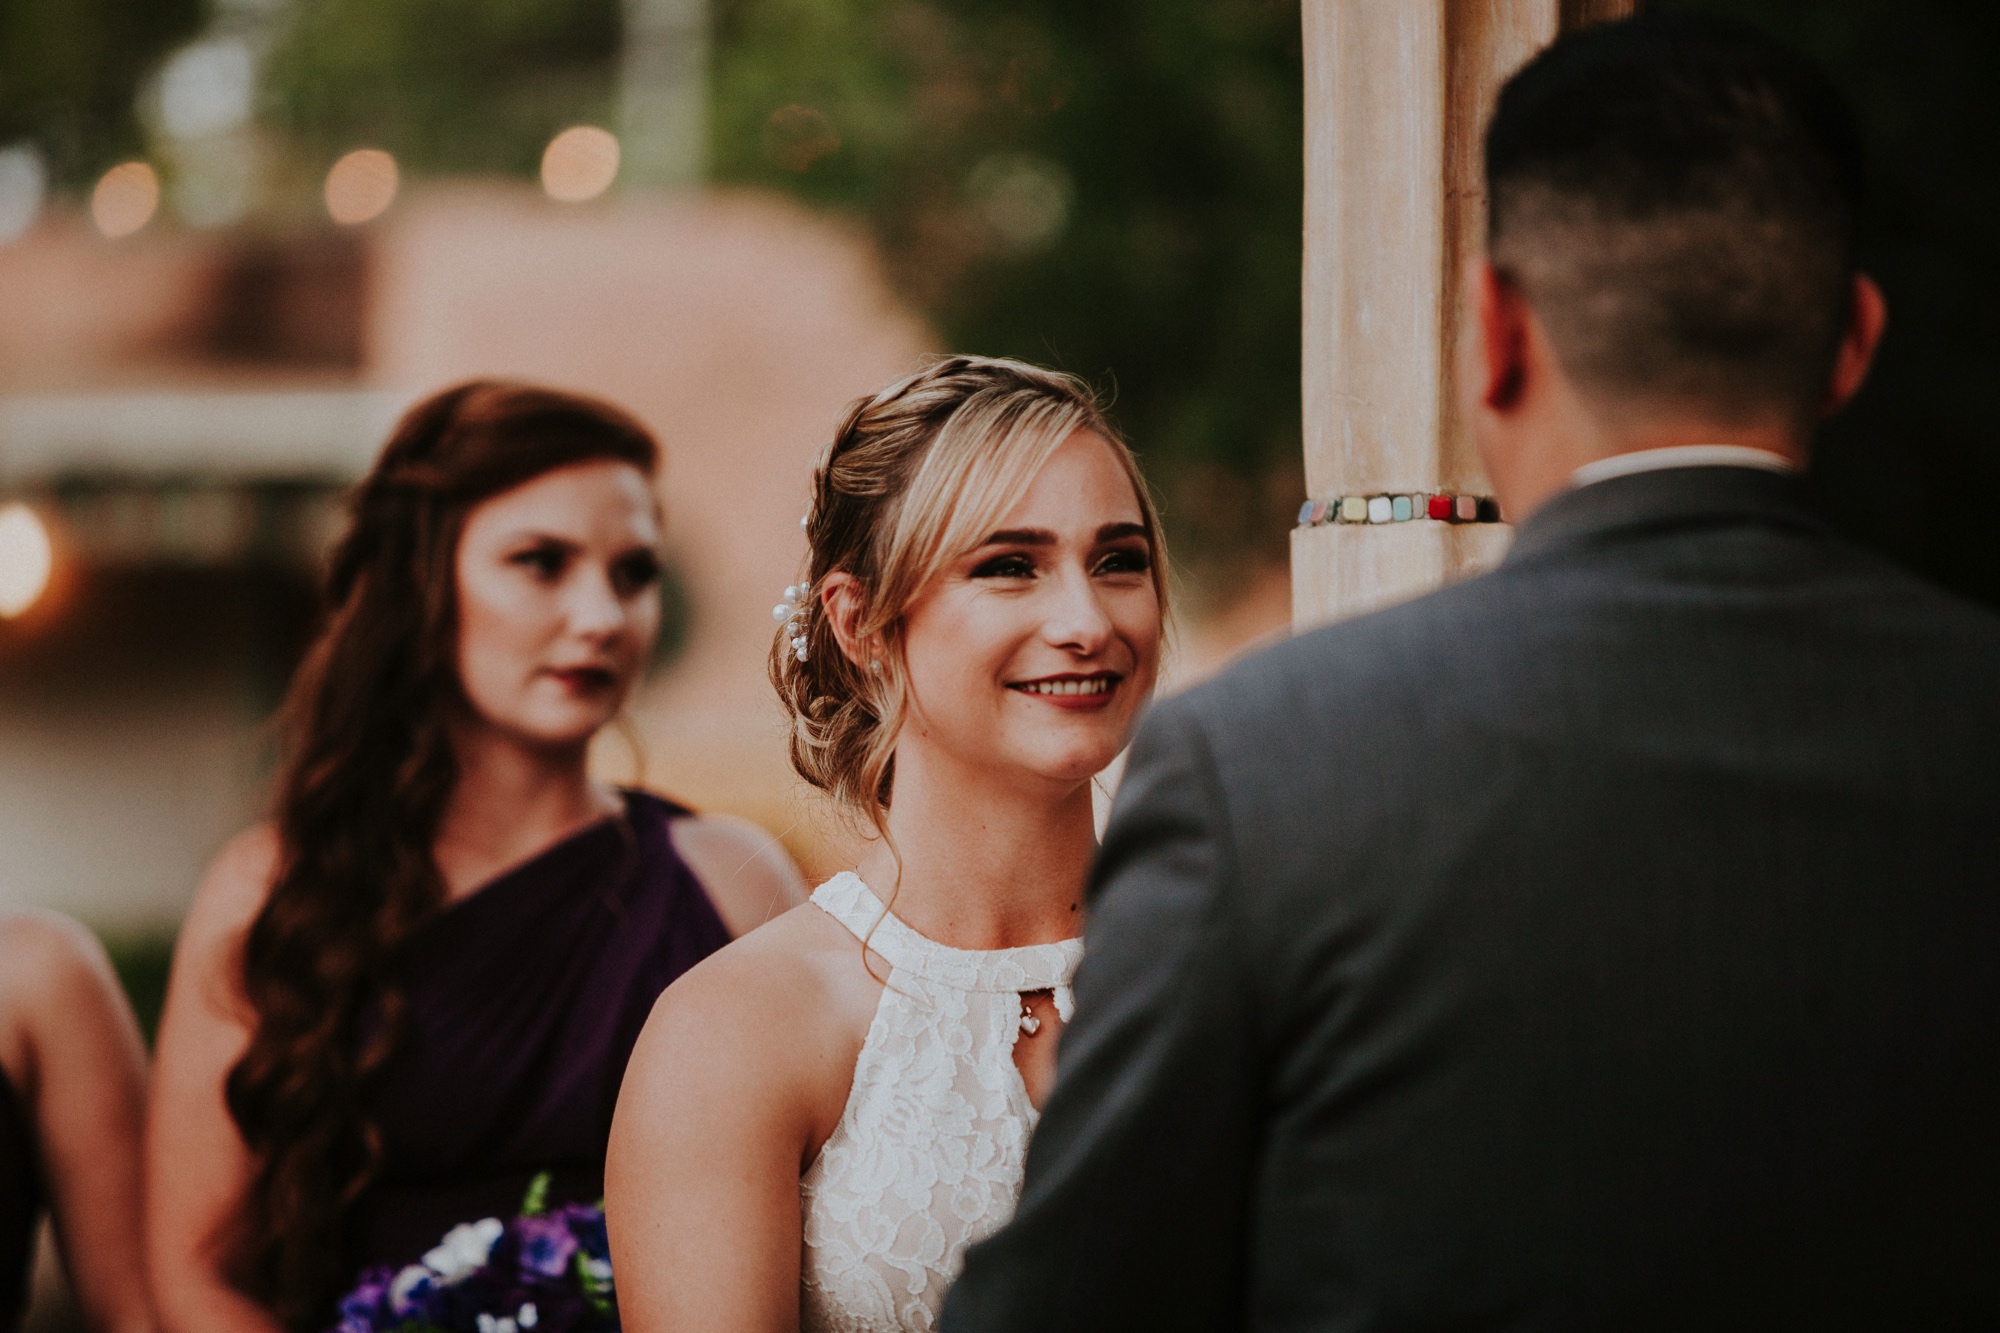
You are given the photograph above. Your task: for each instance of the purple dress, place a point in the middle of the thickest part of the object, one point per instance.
(525, 1000)
(20, 1203)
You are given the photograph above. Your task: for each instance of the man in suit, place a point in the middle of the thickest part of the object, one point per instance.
(1610, 942)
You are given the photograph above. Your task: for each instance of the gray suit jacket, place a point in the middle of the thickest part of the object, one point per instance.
(1610, 942)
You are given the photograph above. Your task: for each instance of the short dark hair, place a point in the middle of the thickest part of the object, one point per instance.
(1677, 198)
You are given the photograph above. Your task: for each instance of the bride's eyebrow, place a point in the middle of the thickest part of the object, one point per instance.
(1020, 537)
(1110, 532)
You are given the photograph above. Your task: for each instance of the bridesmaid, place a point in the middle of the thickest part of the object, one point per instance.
(418, 986)
(72, 1092)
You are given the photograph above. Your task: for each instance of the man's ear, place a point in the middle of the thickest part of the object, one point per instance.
(1500, 350)
(1866, 320)
(845, 602)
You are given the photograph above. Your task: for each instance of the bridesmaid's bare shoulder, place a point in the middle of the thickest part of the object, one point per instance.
(51, 970)
(745, 870)
(232, 892)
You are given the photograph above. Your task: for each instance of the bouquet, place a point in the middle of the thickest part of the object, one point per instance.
(548, 1270)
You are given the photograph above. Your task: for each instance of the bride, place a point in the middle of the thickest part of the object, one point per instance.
(981, 626)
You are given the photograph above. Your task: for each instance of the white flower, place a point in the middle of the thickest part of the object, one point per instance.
(464, 1250)
(528, 1316)
(408, 1285)
(488, 1324)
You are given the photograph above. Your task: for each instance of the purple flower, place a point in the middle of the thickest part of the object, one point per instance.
(543, 1272)
(546, 1245)
(360, 1308)
(587, 1225)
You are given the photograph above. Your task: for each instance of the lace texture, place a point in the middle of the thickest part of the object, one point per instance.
(928, 1155)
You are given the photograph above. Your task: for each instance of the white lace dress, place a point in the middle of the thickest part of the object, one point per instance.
(928, 1154)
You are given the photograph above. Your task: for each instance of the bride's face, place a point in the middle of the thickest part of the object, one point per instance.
(1034, 651)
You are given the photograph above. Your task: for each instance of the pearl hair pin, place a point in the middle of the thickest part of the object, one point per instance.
(787, 612)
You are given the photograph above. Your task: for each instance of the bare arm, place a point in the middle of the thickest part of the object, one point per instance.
(197, 1167)
(714, 1119)
(83, 1071)
(745, 870)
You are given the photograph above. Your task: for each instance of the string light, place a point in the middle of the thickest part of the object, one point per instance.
(579, 164)
(125, 199)
(23, 186)
(361, 186)
(26, 559)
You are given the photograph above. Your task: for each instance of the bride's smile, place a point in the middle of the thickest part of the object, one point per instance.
(1072, 691)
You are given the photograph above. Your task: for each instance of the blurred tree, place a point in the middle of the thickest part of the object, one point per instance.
(69, 70)
(1114, 188)
(445, 85)
(1911, 468)
(1111, 187)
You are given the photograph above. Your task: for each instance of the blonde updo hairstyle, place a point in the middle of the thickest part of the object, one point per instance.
(916, 476)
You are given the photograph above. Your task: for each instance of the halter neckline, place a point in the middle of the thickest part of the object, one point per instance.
(1025, 967)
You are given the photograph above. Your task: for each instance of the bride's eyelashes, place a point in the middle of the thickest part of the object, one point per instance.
(1018, 565)
(1125, 560)
(1013, 565)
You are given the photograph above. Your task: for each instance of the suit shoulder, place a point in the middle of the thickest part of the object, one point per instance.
(1391, 651)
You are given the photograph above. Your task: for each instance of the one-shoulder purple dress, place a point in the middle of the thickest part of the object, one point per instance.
(525, 1000)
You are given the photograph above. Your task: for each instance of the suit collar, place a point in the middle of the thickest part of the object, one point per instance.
(1685, 497)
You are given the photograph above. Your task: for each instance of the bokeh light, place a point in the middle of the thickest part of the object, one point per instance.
(24, 184)
(26, 559)
(125, 199)
(1024, 199)
(580, 163)
(207, 88)
(361, 186)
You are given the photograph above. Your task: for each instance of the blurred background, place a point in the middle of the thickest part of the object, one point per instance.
(238, 236)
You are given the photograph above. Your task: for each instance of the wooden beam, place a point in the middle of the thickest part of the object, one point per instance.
(1397, 96)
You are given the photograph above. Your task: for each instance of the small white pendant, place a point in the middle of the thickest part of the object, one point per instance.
(1030, 1025)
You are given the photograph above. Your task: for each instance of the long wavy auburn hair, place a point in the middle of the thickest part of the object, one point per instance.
(915, 476)
(368, 769)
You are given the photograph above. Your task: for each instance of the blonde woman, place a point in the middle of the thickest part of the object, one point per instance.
(820, 1118)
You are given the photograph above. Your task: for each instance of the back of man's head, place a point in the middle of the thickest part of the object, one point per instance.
(1676, 199)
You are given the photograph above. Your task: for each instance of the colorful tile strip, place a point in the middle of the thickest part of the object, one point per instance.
(1399, 509)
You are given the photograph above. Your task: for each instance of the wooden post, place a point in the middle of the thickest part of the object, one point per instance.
(1397, 95)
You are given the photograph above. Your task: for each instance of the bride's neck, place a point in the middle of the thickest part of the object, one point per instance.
(985, 864)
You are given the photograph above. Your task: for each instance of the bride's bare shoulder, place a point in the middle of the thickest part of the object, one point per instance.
(799, 957)
(793, 998)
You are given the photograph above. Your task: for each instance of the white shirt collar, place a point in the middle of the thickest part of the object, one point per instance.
(1684, 455)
